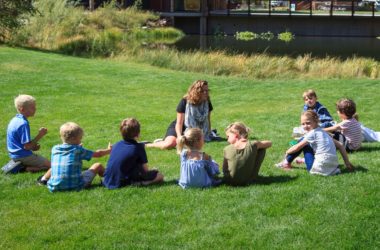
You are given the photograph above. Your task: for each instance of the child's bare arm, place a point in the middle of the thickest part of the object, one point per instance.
(333, 128)
(263, 144)
(102, 152)
(343, 152)
(33, 145)
(297, 147)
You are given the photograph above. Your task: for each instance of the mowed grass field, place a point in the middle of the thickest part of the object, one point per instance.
(284, 210)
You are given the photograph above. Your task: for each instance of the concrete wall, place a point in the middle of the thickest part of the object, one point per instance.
(298, 25)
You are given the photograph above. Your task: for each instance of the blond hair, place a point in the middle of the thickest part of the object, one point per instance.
(311, 115)
(190, 139)
(309, 94)
(129, 128)
(239, 129)
(194, 93)
(23, 101)
(70, 131)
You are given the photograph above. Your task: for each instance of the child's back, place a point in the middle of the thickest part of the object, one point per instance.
(197, 173)
(126, 156)
(66, 170)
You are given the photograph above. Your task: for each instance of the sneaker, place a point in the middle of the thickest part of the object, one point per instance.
(41, 182)
(12, 167)
(300, 160)
(158, 140)
(284, 165)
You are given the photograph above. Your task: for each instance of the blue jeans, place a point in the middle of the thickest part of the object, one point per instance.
(308, 153)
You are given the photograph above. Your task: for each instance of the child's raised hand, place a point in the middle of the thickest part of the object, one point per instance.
(42, 131)
(109, 146)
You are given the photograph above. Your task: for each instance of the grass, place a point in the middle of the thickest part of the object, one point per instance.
(285, 210)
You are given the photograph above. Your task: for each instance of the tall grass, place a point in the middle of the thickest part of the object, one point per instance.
(63, 27)
(259, 66)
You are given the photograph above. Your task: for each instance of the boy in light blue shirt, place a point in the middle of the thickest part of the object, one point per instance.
(19, 142)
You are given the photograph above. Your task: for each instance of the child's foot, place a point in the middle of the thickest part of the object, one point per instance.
(284, 165)
(300, 160)
(41, 181)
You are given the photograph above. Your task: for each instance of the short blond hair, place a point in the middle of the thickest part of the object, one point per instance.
(70, 131)
(239, 129)
(23, 101)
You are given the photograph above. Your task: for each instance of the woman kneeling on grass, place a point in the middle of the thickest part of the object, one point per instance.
(319, 149)
(193, 111)
(243, 158)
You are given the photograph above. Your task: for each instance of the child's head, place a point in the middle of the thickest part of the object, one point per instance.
(25, 105)
(310, 98)
(235, 131)
(192, 139)
(71, 133)
(309, 120)
(346, 107)
(198, 92)
(129, 128)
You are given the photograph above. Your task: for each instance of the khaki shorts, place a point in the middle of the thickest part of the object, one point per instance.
(33, 160)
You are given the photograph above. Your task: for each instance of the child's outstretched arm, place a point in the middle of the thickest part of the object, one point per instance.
(343, 152)
(263, 144)
(33, 145)
(297, 147)
(333, 128)
(103, 152)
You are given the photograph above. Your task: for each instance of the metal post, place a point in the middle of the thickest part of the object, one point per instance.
(228, 7)
(331, 8)
(249, 7)
(373, 9)
(352, 8)
(270, 8)
(311, 8)
(91, 5)
(290, 7)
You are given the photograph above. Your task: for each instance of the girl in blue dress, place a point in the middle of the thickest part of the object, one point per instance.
(197, 167)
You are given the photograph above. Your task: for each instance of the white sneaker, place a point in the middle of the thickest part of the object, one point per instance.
(158, 140)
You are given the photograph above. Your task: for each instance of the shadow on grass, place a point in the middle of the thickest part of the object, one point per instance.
(357, 169)
(267, 180)
(366, 148)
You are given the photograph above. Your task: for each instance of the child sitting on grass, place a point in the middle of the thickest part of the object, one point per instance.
(197, 167)
(310, 98)
(318, 147)
(128, 163)
(348, 131)
(243, 158)
(19, 142)
(66, 168)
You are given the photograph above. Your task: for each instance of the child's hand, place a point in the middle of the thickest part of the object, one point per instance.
(42, 131)
(36, 147)
(109, 146)
(350, 167)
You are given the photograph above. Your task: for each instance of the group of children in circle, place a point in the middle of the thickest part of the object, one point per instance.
(128, 164)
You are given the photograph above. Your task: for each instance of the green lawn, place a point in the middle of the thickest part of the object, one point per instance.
(285, 210)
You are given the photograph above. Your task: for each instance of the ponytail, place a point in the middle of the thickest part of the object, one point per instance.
(181, 143)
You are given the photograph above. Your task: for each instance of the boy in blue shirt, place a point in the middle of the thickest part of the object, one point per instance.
(311, 103)
(128, 163)
(66, 162)
(19, 142)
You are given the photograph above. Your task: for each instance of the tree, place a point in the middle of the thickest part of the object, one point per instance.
(13, 14)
